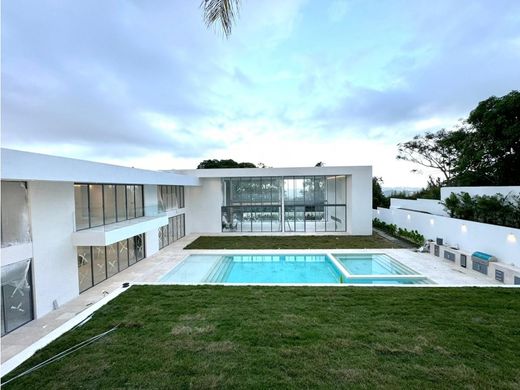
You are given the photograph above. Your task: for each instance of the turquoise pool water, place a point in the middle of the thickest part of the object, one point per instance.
(293, 268)
(373, 264)
(256, 269)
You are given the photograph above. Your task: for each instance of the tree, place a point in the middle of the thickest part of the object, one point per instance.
(213, 164)
(491, 148)
(320, 164)
(485, 150)
(378, 198)
(220, 11)
(432, 150)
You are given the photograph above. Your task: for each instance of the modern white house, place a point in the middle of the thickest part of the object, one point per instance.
(70, 224)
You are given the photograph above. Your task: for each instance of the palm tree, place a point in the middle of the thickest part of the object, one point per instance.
(220, 11)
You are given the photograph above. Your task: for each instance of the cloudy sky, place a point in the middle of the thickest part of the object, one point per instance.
(146, 84)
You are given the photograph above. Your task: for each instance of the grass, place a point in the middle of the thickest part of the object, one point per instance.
(293, 337)
(293, 242)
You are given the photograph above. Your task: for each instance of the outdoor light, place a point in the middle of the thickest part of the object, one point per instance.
(378, 211)
(511, 238)
(409, 217)
(432, 221)
(463, 228)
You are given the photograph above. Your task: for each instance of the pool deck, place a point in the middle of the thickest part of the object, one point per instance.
(19, 344)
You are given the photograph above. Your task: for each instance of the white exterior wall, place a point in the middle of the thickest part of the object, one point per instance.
(203, 207)
(502, 242)
(55, 269)
(492, 190)
(359, 202)
(431, 206)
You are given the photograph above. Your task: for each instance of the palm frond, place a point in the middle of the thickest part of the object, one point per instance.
(220, 11)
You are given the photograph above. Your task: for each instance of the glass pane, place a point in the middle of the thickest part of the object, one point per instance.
(96, 204)
(84, 268)
(98, 264)
(131, 251)
(331, 190)
(341, 189)
(298, 190)
(288, 189)
(139, 207)
(164, 195)
(160, 200)
(309, 190)
(226, 219)
(290, 218)
(109, 195)
(183, 226)
(181, 203)
(319, 190)
(177, 227)
(15, 214)
(171, 230)
(81, 203)
(112, 262)
(130, 201)
(139, 247)
(17, 304)
(121, 202)
(122, 247)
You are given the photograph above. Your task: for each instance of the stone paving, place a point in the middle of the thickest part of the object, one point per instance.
(150, 269)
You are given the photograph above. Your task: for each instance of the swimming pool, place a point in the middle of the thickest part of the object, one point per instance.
(298, 268)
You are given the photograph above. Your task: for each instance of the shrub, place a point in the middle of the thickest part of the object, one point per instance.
(413, 236)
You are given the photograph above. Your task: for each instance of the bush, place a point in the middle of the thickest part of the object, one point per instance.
(392, 229)
(497, 209)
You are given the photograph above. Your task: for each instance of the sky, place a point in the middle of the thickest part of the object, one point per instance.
(146, 84)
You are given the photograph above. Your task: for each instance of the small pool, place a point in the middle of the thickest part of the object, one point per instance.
(368, 269)
(372, 264)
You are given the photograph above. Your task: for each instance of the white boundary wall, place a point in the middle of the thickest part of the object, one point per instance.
(431, 206)
(502, 242)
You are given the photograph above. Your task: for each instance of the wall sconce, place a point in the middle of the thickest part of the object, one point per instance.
(408, 217)
(463, 228)
(432, 221)
(511, 238)
(378, 212)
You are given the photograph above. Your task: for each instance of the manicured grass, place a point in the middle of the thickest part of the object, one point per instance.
(293, 337)
(293, 242)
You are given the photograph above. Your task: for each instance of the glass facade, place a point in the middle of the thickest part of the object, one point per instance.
(173, 231)
(289, 204)
(16, 227)
(17, 299)
(252, 204)
(97, 263)
(103, 204)
(170, 197)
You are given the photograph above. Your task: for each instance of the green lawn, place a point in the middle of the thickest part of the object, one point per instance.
(293, 242)
(293, 337)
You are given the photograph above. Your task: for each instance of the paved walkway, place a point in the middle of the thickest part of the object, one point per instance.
(152, 268)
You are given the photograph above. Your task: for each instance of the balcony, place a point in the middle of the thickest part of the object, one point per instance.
(109, 234)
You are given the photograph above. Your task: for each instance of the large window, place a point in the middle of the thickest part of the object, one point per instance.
(252, 204)
(304, 203)
(170, 197)
(15, 214)
(17, 300)
(173, 231)
(97, 263)
(103, 204)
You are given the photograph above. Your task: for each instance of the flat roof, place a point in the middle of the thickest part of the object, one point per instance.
(27, 166)
(294, 171)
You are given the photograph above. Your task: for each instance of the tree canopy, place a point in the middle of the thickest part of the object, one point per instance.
(212, 164)
(223, 12)
(485, 150)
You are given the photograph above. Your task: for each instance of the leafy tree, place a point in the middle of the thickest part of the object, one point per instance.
(378, 197)
(220, 11)
(320, 164)
(491, 149)
(432, 150)
(213, 164)
(485, 150)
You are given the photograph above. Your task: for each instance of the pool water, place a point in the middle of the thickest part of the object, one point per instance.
(373, 264)
(257, 269)
(377, 269)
